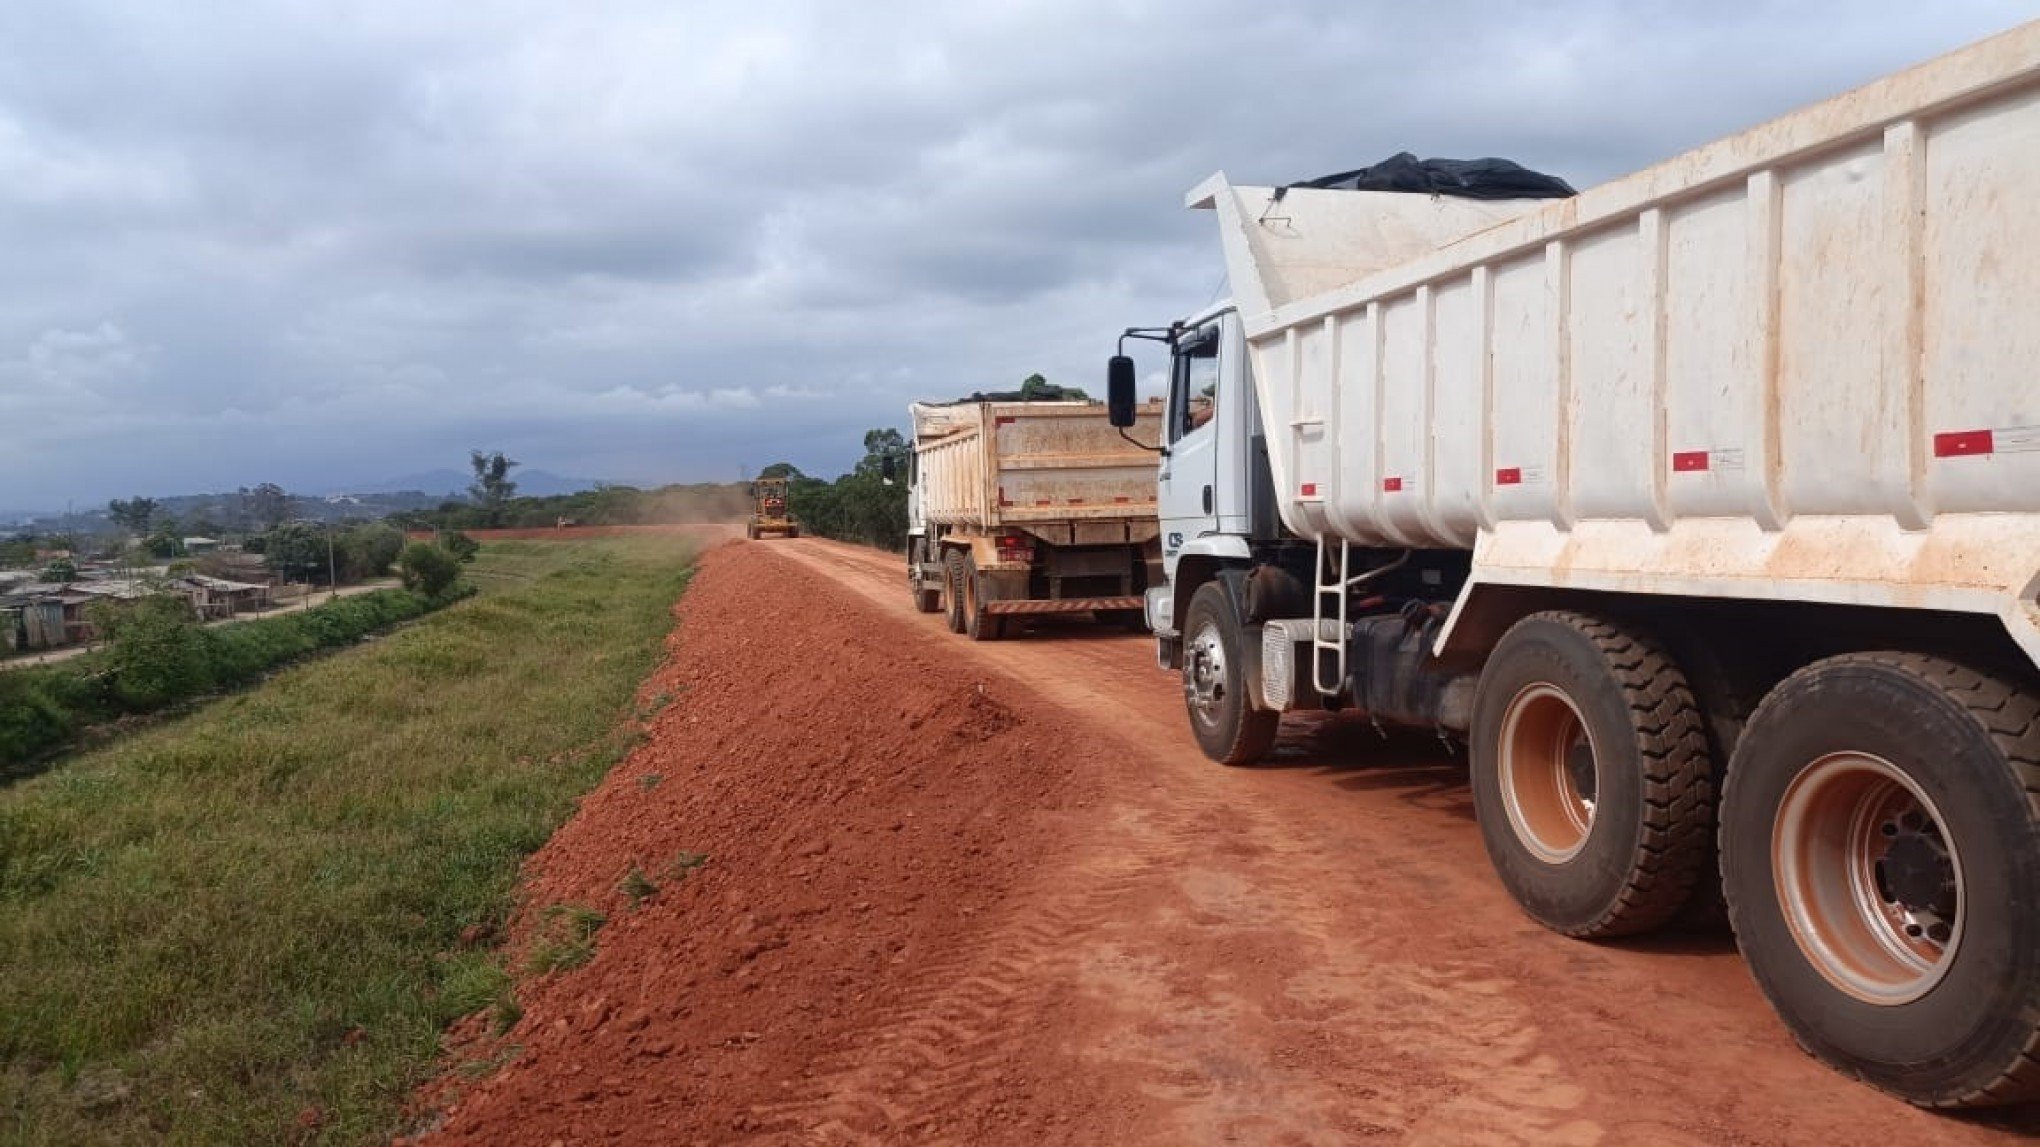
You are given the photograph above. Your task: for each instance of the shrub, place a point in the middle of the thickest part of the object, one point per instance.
(461, 546)
(157, 654)
(368, 551)
(155, 649)
(428, 569)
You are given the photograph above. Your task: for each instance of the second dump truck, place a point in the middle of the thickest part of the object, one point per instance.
(1020, 509)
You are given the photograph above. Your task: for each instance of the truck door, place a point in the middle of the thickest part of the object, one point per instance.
(1188, 477)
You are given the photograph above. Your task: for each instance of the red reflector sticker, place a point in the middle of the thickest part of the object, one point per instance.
(1392, 485)
(1044, 501)
(1004, 419)
(1689, 461)
(1076, 501)
(1509, 476)
(1309, 489)
(1962, 443)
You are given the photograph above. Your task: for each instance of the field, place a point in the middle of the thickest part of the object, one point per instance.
(253, 923)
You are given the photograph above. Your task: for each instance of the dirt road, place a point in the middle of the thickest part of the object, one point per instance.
(992, 893)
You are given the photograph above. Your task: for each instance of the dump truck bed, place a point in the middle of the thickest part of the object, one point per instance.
(986, 466)
(1795, 364)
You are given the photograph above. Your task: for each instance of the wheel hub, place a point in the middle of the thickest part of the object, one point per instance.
(1867, 878)
(1204, 682)
(1548, 773)
(1917, 873)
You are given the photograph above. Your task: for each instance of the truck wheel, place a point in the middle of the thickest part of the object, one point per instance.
(1227, 727)
(793, 531)
(981, 626)
(925, 600)
(1880, 848)
(1591, 779)
(952, 589)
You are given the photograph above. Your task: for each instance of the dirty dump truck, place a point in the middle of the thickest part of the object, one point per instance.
(769, 513)
(1703, 508)
(1019, 509)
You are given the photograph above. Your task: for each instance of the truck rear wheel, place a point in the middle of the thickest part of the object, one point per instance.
(1227, 726)
(952, 589)
(1591, 778)
(1880, 847)
(978, 624)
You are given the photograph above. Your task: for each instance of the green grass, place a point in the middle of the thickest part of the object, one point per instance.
(254, 911)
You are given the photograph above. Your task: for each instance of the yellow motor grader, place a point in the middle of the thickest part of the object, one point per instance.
(769, 514)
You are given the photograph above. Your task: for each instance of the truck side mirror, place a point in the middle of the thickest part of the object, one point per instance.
(888, 469)
(1119, 397)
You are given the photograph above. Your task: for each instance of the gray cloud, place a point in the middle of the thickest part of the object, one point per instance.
(645, 241)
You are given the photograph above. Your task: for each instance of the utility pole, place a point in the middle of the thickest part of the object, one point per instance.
(332, 578)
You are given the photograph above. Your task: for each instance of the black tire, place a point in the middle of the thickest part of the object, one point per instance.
(1963, 1027)
(977, 624)
(793, 531)
(925, 600)
(952, 590)
(1611, 843)
(1227, 727)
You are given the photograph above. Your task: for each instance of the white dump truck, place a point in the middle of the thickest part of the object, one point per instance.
(1703, 507)
(1019, 509)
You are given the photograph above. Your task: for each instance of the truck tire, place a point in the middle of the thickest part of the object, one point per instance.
(1227, 726)
(1591, 779)
(925, 600)
(977, 624)
(952, 589)
(1880, 848)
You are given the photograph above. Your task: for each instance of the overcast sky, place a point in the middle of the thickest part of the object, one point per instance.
(332, 243)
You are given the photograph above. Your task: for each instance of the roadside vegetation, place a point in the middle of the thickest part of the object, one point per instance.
(252, 924)
(157, 654)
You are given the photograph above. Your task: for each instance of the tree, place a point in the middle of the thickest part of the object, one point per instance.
(428, 569)
(461, 546)
(297, 550)
(878, 444)
(265, 507)
(132, 515)
(63, 571)
(163, 544)
(1035, 388)
(782, 470)
(367, 551)
(492, 487)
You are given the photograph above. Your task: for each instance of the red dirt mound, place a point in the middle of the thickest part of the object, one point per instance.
(854, 791)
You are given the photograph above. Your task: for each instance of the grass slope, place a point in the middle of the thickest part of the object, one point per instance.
(245, 925)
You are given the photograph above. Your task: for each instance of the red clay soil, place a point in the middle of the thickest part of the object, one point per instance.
(860, 804)
(990, 893)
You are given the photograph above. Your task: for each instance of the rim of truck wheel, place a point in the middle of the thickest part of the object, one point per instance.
(1204, 676)
(1867, 877)
(1549, 772)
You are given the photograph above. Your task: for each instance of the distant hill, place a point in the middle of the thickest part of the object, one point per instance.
(454, 483)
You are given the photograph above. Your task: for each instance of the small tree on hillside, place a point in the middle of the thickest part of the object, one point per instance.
(492, 488)
(63, 571)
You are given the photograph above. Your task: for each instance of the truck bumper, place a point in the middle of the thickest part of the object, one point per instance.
(1062, 605)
